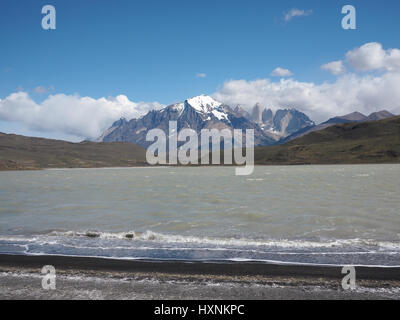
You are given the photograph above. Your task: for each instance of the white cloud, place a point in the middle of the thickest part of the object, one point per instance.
(335, 67)
(201, 75)
(296, 13)
(73, 115)
(281, 72)
(349, 93)
(371, 56)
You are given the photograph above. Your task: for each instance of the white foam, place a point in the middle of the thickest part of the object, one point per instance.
(166, 238)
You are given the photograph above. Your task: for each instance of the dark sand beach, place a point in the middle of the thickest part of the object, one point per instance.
(97, 278)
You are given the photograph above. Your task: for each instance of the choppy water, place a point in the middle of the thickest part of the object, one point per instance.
(300, 214)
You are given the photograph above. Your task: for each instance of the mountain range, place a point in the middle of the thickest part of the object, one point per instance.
(346, 143)
(203, 112)
(197, 113)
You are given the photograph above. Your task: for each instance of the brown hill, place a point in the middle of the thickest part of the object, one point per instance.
(23, 153)
(365, 142)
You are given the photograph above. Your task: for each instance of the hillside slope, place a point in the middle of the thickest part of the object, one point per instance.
(348, 118)
(23, 153)
(365, 142)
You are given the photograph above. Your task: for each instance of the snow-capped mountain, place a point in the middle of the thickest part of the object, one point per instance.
(201, 112)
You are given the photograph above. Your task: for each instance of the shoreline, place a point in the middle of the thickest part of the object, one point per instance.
(188, 267)
(99, 278)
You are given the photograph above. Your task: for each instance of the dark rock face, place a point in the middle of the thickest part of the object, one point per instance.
(256, 114)
(267, 116)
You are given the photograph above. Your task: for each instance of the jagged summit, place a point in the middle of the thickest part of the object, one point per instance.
(203, 103)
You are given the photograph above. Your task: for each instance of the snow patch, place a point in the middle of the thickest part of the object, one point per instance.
(220, 115)
(203, 103)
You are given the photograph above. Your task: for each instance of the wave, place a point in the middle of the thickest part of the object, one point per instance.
(150, 245)
(237, 242)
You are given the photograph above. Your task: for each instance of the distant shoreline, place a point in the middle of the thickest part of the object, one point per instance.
(196, 166)
(142, 166)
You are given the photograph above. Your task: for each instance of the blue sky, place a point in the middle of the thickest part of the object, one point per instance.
(152, 50)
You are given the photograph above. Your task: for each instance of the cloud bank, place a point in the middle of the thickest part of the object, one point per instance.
(351, 91)
(82, 117)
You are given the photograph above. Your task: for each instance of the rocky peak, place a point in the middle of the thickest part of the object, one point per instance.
(267, 116)
(256, 114)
